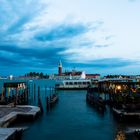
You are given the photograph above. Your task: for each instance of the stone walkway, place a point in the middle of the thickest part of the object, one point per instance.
(6, 110)
(9, 114)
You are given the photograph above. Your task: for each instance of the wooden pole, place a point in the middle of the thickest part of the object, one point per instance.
(38, 92)
(34, 91)
(46, 91)
(15, 102)
(47, 103)
(5, 89)
(27, 94)
(39, 100)
(32, 95)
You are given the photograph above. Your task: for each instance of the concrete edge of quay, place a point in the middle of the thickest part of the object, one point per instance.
(5, 121)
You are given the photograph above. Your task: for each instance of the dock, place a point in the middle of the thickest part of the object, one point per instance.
(9, 114)
(10, 133)
(127, 115)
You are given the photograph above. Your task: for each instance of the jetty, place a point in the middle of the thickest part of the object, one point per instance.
(10, 114)
(11, 133)
(124, 115)
(14, 108)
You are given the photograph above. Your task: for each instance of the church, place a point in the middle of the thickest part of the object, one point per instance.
(72, 74)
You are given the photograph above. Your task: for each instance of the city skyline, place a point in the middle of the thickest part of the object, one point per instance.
(95, 36)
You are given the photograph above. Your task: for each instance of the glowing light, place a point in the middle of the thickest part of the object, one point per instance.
(118, 87)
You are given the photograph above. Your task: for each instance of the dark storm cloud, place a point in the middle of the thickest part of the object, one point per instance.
(29, 56)
(39, 54)
(62, 31)
(7, 61)
(45, 57)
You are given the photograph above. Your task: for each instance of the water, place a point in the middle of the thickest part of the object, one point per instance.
(71, 118)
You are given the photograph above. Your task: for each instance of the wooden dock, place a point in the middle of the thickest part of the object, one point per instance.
(126, 115)
(9, 114)
(11, 133)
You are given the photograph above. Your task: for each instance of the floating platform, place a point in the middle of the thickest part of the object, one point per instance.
(123, 115)
(10, 114)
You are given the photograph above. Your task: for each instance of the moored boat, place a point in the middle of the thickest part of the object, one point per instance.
(73, 84)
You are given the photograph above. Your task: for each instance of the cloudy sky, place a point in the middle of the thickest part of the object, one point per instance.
(97, 36)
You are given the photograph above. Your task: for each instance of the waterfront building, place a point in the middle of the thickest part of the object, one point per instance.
(75, 75)
(92, 76)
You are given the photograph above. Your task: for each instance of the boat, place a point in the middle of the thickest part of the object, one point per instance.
(127, 115)
(73, 84)
(129, 108)
(54, 99)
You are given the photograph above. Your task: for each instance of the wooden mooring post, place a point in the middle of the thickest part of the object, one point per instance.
(34, 91)
(47, 104)
(39, 100)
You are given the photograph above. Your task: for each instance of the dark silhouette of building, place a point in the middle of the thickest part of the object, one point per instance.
(60, 68)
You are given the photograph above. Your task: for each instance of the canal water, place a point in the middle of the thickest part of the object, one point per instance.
(70, 119)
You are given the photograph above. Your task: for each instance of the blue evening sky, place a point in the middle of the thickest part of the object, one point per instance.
(96, 36)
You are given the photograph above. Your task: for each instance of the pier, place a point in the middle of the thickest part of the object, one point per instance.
(123, 96)
(14, 108)
(11, 133)
(8, 115)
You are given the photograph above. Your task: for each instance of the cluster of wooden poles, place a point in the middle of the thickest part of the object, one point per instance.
(50, 100)
(14, 95)
(20, 93)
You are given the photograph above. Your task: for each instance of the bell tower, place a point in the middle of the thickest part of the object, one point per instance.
(60, 68)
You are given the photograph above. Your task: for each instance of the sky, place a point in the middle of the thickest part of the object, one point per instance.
(96, 36)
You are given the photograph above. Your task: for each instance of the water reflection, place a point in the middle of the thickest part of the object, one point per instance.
(120, 136)
(73, 119)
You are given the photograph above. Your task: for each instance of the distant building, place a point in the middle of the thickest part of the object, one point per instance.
(68, 75)
(60, 69)
(92, 76)
(72, 74)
